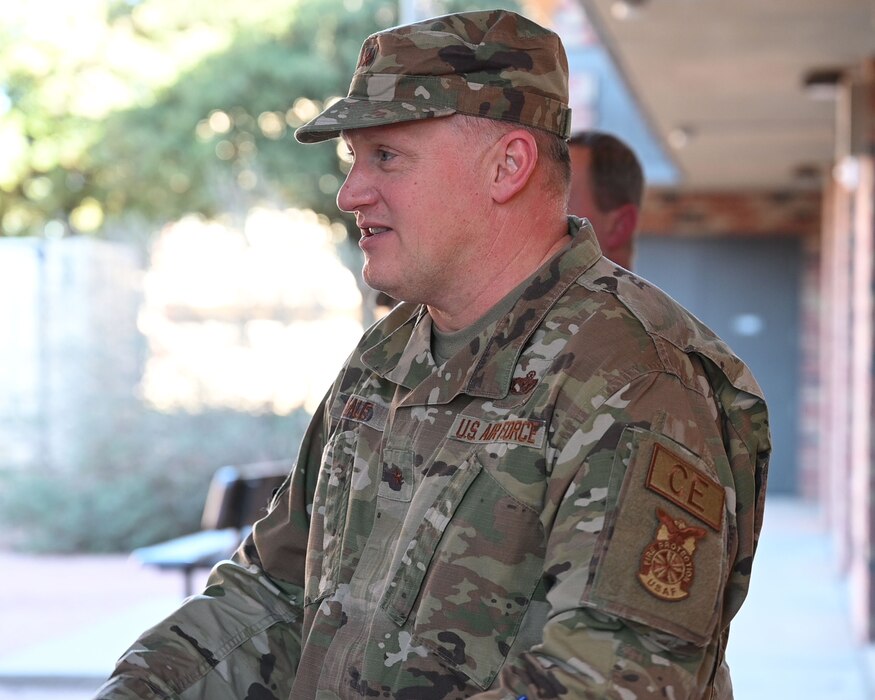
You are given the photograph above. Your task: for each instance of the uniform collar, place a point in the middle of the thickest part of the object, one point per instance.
(485, 369)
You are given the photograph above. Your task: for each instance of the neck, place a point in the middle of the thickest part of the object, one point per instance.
(516, 253)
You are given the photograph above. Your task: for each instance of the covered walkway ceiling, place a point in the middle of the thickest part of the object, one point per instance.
(721, 81)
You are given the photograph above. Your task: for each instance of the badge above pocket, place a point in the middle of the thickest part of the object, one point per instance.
(661, 559)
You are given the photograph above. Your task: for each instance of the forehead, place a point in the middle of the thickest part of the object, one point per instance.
(581, 196)
(581, 157)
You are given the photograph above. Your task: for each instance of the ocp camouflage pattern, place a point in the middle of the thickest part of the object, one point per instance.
(493, 64)
(478, 529)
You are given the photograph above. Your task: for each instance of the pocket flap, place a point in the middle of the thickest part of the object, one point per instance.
(407, 581)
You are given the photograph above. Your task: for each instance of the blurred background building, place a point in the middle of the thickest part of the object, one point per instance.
(764, 224)
(177, 287)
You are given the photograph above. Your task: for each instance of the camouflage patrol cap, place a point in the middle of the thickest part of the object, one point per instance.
(493, 64)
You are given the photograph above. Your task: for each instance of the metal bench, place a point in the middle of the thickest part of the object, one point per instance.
(236, 498)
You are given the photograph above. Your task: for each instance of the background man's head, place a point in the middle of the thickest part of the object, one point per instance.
(607, 186)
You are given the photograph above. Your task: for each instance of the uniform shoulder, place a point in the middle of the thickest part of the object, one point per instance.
(667, 322)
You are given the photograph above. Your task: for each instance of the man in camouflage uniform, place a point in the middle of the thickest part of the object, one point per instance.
(538, 477)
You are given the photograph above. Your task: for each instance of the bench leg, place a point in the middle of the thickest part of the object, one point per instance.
(187, 576)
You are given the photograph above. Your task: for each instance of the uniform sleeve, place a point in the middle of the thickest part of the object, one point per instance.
(242, 636)
(239, 637)
(641, 548)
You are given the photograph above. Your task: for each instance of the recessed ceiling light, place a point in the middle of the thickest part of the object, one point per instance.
(679, 137)
(823, 83)
(625, 9)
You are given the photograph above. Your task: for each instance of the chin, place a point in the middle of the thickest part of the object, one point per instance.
(396, 292)
(395, 286)
(379, 284)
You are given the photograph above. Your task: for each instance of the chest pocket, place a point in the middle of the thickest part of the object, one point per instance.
(345, 496)
(469, 574)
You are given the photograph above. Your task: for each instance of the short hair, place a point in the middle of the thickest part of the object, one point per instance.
(552, 147)
(615, 171)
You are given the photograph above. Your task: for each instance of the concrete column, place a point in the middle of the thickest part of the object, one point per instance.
(856, 173)
(860, 482)
(835, 345)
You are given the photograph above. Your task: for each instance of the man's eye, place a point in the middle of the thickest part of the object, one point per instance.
(384, 156)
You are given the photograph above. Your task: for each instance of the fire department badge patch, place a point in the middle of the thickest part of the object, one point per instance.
(667, 568)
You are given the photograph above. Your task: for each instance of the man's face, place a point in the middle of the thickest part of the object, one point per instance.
(581, 201)
(417, 190)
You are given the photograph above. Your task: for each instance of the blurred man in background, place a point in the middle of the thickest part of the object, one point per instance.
(607, 186)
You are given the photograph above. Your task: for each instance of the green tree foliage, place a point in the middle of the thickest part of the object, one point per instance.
(142, 487)
(161, 108)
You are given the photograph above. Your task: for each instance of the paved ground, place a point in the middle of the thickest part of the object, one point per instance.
(793, 637)
(65, 620)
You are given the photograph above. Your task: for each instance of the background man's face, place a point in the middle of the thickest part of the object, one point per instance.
(581, 201)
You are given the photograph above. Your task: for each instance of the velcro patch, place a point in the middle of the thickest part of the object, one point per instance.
(686, 487)
(362, 410)
(654, 563)
(518, 431)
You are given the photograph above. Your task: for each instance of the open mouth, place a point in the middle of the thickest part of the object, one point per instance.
(374, 231)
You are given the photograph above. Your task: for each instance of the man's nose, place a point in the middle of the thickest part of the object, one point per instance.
(356, 191)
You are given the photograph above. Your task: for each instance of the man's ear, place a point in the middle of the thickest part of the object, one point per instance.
(516, 154)
(624, 220)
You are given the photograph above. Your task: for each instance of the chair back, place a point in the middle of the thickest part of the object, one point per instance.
(239, 495)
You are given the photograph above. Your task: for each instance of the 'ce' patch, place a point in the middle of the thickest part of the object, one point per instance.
(686, 486)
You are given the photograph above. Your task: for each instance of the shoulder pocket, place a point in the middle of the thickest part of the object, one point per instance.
(662, 556)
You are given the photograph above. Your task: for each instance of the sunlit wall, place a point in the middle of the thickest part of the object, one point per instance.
(256, 318)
